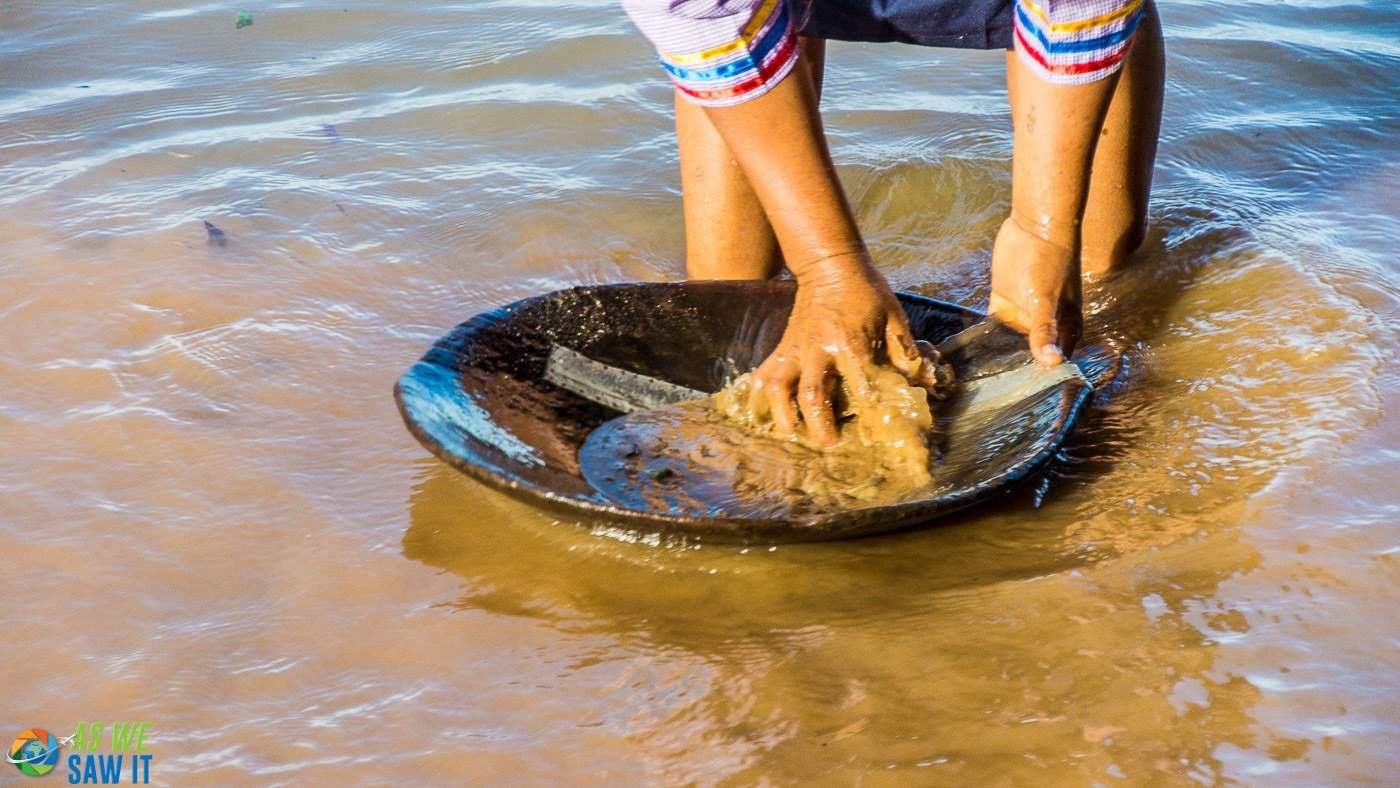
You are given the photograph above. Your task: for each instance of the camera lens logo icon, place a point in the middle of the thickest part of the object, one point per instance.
(34, 752)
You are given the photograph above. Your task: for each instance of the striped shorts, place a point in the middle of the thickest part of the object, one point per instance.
(724, 52)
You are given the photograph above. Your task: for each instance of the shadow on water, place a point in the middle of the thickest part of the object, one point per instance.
(532, 564)
(976, 649)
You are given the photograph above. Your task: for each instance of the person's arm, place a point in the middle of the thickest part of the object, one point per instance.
(1060, 78)
(845, 315)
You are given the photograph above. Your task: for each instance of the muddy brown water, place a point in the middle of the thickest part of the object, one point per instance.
(213, 519)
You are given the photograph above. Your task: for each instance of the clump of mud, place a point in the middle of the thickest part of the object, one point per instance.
(715, 456)
(885, 436)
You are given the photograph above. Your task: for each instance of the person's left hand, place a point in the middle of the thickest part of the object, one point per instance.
(1036, 290)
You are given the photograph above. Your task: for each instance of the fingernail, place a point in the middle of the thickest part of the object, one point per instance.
(1051, 352)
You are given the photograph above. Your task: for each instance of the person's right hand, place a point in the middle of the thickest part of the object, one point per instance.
(845, 319)
(1036, 290)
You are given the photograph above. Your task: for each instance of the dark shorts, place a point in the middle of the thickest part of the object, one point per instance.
(978, 24)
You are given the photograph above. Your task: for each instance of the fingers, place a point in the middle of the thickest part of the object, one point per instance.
(814, 397)
(851, 367)
(781, 388)
(758, 396)
(780, 393)
(928, 371)
(773, 390)
(904, 351)
(1045, 344)
(1052, 341)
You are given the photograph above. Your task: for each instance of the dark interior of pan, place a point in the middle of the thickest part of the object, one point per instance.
(510, 396)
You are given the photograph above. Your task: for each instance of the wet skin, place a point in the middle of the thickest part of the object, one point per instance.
(761, 192)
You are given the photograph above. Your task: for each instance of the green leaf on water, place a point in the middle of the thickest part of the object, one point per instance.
(245, 18)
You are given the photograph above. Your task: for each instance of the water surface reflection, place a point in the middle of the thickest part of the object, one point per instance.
(974, 650)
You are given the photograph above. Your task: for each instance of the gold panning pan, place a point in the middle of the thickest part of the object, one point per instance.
(547, 397)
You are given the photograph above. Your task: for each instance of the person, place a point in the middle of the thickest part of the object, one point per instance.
(1084, 80)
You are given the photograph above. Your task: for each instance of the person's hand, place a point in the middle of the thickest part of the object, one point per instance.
(1036, 290)
(844, 319)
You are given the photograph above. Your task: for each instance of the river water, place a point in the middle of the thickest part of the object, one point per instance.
(214, 521)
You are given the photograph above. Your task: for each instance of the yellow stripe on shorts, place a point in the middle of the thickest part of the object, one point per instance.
(745, 36)
(1081, 24)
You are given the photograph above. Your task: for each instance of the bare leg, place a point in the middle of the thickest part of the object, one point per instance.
(727, 235)
(1115, 216)
(1035, 262)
